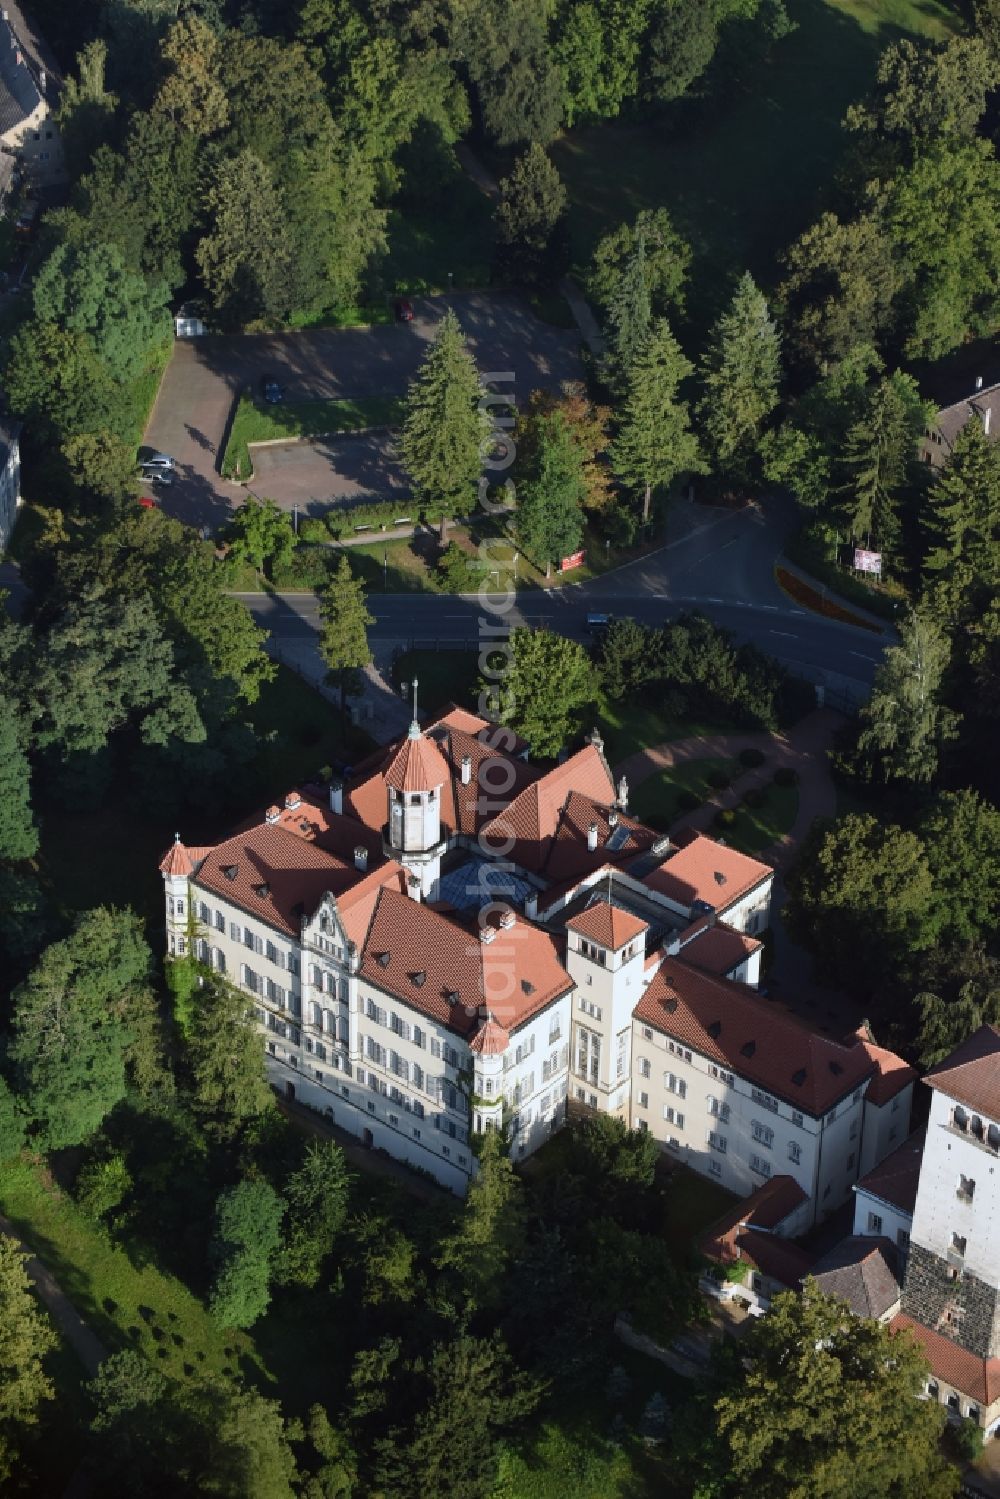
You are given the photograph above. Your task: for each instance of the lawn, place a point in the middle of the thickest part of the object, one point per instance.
(691, 1204)
(667, 795)
(255, 421)
(299, 731)
(742, 181)
(355, 316)
(634, 725)
(451, 237)
(125, 1302)
(444, 677)
(756, 828)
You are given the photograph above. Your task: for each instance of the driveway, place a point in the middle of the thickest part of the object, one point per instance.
(205, 376)
(320, 472)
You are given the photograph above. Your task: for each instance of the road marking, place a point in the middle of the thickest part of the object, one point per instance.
(773, 608)
(710, 600)
(861, 656)
(787, 634)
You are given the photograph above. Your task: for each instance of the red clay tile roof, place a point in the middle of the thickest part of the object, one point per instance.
(272, 873)
(734, 1026)
(707, 870)
(607, 925)
(444, 970)
(491, 1040)
(313, 821)
(892, 1074)
(972, 1073)
(863, 1272)
(569, 855)
(747, 1228)
(978, 1378)
(417, 765)
(177, 861)
(894, 1180)
(532, 818)
(717, 948)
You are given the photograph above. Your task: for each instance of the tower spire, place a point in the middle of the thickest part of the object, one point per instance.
(415, 722)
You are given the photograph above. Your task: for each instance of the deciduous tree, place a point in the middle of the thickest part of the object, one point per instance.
(665, 264)
(262, 535)
(246, 1236)
(245, 259)
(961, 833)
(26, 1337)
(18, 834)
(491, 1230)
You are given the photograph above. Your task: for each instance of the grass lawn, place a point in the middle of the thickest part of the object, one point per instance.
(742, 180)
(453, 236)
(255, 421)
(125, 1302)
(444, 677)
(630, 726)
(757, 828)
(361, 316)
(663, 795)
(299, 731)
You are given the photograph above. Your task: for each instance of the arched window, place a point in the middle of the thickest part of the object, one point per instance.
(960, 1118)
(976, 1127)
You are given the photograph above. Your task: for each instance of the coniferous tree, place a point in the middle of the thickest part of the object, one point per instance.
(655, 443)
(317, 1195)
(18, 834)
(666, 262)
(962, 522)
(225, 1057)
(491, 1229)
(26, 1336)
(343, 641)
(445, 423)
(549, 516)
(629, 314)
(878, 460)
(906, 723)
(531, 239)
(740, 376)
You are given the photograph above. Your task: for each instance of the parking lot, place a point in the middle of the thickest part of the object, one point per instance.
(205, 376)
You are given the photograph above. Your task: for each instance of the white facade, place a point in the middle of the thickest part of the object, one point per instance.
(609, 985)
(875, 1218)
(885, 1127)
(957, 1213)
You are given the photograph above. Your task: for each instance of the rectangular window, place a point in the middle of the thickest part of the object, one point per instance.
(715, 1168)
(672, 1116)
(435, 1047)
(794, 1152)
(644, 1067)
(874, 1223)
(644, 1100)
(675, 1085)
(419, 1039)
(761, 1166)
(220, 922)
(797, 1120)
(764, 1099)
(762, 1134)
(958, 1243)
(717, 1142)
(966, 1189)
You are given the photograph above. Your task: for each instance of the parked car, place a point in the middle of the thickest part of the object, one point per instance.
(597, 624)
(156, 460)
(147, 503)
(404, 310)
(273, 392)
(157, 476)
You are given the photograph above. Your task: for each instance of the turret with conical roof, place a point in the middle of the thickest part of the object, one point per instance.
(414, 780)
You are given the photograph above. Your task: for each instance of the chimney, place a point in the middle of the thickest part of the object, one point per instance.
(337, 797)
(41, 80)
(487, 934)
(531, 905)
(592, 837)
(272, 815)
(979, 382)
(986, 420)
(466, 769)
(507, 919)
(293, 800)
(613, 818)
(623, 794)
(361, 857)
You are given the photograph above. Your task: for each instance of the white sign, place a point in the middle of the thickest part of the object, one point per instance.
(867, 562)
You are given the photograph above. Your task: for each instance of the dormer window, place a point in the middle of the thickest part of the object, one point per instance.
(960, 1118)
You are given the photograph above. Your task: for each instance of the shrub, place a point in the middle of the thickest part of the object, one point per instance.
(966, 1439)
(725, 817)
(687, 801)
(786, 775)
(751, 758)
(312, 529)
(102, 1185)
(718, 779)
(754, 797)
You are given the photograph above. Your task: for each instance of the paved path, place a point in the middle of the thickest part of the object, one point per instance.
(804, 748)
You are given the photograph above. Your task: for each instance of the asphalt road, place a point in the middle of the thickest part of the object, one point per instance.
(717, 561)
(205, 376)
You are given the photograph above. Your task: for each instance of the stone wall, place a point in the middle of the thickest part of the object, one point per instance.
(929, 1292)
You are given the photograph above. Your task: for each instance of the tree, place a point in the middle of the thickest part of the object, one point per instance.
(262, 535)
(225, 1057)
(18, 834)
(491, 1231)
(245, 259)
(549, 518)
(57, 383)
(506, 46)
(740, 375)
(823, 1405)
(26, 1337)
(530, 220)
(343, 641)
(984, 658)
(682, 42)
(317, 1195)
(962, 523)
(841, 281)
(655, 443)
(906, 725)
(549, 681)
(925, 92)
(12, 1123)
(861, 898)
(879, 458)
(666, 262)
(246, 1236)
(86, 109)
(101, 464)
(193, 94)
(70, 1030)
(586, 424)
(961, 834)
(629, 315)
(455, 1404)
(90, 290)
(445, 423)
(631, 655)
(960, 991)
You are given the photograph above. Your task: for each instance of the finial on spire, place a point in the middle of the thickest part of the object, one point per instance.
(415, 722)
(177, 837)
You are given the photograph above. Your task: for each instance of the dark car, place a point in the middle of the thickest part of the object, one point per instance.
(598, 624)
(273, 391)
(404, 310)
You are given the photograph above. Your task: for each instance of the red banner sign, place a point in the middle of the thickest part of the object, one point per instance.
(575, 560)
